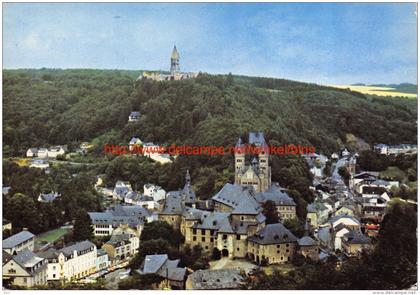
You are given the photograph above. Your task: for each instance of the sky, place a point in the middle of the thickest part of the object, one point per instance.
(327, 43)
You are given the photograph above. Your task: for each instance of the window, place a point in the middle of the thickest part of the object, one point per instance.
(203, 231)
(242, 218)
(211, 240)
(224, 237)
(194, 231)
(278, 246)
(237, 249)
(194, 239)
(238, 237)
(278, 252)
(12, 270)
(53, 276)
(287, 250)
(203, 239)
(53, 267)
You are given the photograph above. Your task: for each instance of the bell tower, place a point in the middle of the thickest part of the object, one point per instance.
(174, 63)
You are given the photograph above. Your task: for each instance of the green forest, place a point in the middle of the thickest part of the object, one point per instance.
(47, 107)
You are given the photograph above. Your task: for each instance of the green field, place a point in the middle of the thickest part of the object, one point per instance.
(52, 235)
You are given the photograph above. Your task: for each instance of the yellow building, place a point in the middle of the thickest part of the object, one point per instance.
(272, 244)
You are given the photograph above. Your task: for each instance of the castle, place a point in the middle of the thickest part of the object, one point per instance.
(174, 73)
(258, 173)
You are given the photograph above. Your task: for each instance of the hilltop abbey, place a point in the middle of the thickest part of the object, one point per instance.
(174, 73)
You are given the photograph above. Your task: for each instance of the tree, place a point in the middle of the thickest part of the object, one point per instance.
(296, 226)
(270, 212)
(345, 174)
(82, 229)
(161, 230)
(140, 282)
(216, 254)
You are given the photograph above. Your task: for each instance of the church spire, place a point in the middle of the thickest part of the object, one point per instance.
(174, 62)
(187, 178)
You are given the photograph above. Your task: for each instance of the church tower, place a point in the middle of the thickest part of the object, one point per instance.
(239, 160)
(174, 63)
(258, 172)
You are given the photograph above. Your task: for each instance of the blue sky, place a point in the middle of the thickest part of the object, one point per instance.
(326, 43)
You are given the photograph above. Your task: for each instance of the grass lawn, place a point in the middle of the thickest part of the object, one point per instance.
(394, 173)
(282, 268)
(52, 235)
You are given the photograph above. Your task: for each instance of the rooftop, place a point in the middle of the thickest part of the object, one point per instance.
(17, 239)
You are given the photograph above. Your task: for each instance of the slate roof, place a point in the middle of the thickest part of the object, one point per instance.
(373, 190)
(218, 221)
(216, 279)
(238, 198)
(120, 239)
(160, 264)
(6, 257)
(306, 241)
(315, 207)
(276, 195)
(79, 247)
(188, 194)
(135, 114)
(152, 263)
(27, 259)
(338, 217)
(356, 237)
(192, 213)
(17, 239)
(273, 234)
(173, 204)
(131, 215)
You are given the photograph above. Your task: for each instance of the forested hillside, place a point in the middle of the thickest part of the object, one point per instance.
(46, 107)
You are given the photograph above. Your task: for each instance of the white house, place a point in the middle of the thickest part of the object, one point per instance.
(141, 200)
(134, 117)
(55, 151)
(42, 153)
(48, 197)
(154, 191)
(71, 262)
(135, 141)
(32, 152)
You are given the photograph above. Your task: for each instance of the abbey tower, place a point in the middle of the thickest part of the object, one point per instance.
(258, 172)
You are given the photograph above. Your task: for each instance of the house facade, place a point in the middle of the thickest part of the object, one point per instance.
(26, 269)
(72, 262)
